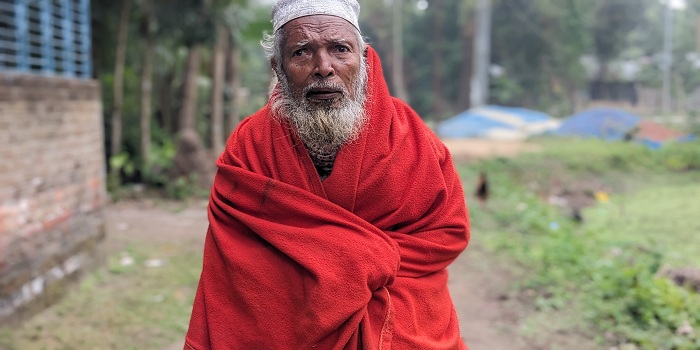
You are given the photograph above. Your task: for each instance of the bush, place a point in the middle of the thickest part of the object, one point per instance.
(681, 156)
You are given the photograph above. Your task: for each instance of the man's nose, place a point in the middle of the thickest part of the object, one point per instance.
(324, 65)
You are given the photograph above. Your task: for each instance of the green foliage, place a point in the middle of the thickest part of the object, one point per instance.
(607, 268)
(160, 163)
(682, 156)
(130, 107)
(184, 187)
(119, 164)
(191, 21)
(626, 294)
(156, 174)
(505, 90)
(123, 162)
(179, 25)
(246, 23)
(614, 20)
(540, 44)
(597, 156)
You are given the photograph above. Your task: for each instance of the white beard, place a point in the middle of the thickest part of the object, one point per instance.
(323, 129)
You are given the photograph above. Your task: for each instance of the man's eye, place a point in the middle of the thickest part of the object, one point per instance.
(343, 49)
(298, 52)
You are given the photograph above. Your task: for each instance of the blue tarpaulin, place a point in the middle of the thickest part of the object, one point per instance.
(496, 122)
(604, 123)
(613, 124)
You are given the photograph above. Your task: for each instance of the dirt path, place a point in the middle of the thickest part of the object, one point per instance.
(468, 149)
(479, 287)
(479, 282)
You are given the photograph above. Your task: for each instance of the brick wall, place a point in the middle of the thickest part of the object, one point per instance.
(52, 188)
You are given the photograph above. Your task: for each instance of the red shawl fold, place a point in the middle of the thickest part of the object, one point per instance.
(357, 261)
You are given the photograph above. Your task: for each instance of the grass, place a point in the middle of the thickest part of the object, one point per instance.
(605, 270)
(663, 217)
(119, 307)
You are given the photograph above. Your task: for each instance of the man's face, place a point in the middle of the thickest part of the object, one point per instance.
(321, 59)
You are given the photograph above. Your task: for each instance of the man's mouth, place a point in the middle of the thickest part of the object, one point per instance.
(324, 94)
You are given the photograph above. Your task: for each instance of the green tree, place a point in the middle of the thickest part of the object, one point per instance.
(614, 20)
(161, 72)
(539, 44)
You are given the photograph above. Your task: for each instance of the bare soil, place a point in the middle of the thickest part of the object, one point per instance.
(472, 149)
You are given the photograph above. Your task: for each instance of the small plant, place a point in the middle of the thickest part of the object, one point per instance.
(120, 165)
(160, 163)
(184, 187)
(681, 156)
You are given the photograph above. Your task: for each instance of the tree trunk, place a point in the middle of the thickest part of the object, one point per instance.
(165, 97)
(119, 79)
(187, 115)
(465, 74)
(697, 31)
(147, 85)
(437, 61)
(479, 89)
(191, 157)
(217, 93)
(397, 66)
(572, 94)
(679, 102)
(233, 83)
(603, 71)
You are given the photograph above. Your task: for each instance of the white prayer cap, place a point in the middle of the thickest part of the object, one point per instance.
(287, 10)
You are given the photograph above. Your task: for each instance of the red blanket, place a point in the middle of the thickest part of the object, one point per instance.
(357, 261)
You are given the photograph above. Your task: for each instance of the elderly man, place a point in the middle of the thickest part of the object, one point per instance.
(335, 210)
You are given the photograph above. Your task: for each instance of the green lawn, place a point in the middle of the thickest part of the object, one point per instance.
(665, 217)
(119, 307)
